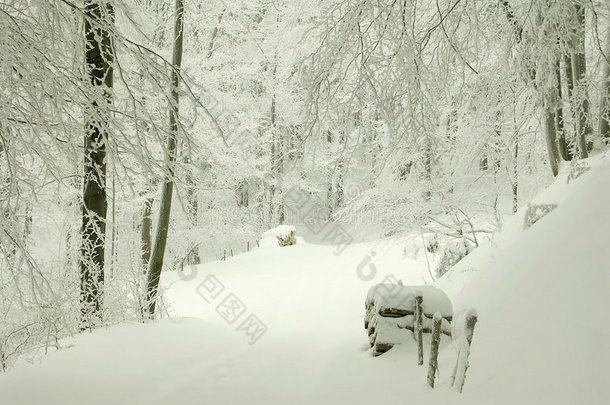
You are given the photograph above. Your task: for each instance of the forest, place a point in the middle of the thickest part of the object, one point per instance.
(143, 138)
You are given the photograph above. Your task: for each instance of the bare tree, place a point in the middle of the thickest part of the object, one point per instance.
(158, 251)
(604, 116)
(579, 70)
(99, 55)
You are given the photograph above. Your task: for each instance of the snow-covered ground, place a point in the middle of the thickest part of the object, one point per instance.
(285, 325)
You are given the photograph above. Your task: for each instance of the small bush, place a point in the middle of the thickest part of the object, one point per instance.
(287, 240)
(577, 169)
(536, 212)
(432, 244)
(453, 253)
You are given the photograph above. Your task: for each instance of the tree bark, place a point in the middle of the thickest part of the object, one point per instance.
(569, 79)
(99, 56)
(559, 122)
(277, 159)
(579, 70)
(192, 207)
(428, 169)
(604, 116)
(330, 190)
(515, 180)
(158, 251)
(146, 231)
(551, 137)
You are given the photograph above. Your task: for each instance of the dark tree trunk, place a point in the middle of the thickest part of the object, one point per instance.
(515, 181)
(158, 251)
(428, 169)
(604, 115)
(560, 127)
(277, 160)
(569, 78)
(192, 207)
(549, 100)
(579, 70)
(99, 56)
(551, 137)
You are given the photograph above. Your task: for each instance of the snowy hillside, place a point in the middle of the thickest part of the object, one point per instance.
(284, 325)
(542, 297)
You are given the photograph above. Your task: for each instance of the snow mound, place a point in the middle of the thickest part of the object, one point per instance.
(275, 236)
(402, 297)
(542, 299)
(542, 335)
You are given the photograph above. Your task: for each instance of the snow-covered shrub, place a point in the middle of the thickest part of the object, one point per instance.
(283, 235)
(577, 169)
(535, 212)
(452, 253)
(432, 243)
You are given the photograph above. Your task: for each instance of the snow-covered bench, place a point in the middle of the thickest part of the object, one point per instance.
(391, 311)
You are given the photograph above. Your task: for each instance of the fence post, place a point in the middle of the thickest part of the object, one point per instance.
(436, 340)
(419, 328)
(248, 246)
(224, 256)
(464, 350)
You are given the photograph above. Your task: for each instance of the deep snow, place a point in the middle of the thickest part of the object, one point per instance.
(542, 338)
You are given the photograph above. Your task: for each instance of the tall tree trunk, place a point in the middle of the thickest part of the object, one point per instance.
(330, 191)
(277, 160)
(604, 105)
(192, 208)
(146, 231)
(569, 79)
(549, 100)
(99, 56)
(515, 181)
(579, 70)
(428, 169)
(567, 63)
(158, 251)
(191, 194)
(561, 134)
(551, 136)
(340, 186)
(113, 226)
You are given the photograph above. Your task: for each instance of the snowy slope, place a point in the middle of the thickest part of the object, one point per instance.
(542, 337)
(543, 296)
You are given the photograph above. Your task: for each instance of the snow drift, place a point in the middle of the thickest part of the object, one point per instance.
(542, 337)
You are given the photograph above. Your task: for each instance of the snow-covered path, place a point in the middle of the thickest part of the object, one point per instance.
(311, 301)
(315, 349)
(542, 336)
